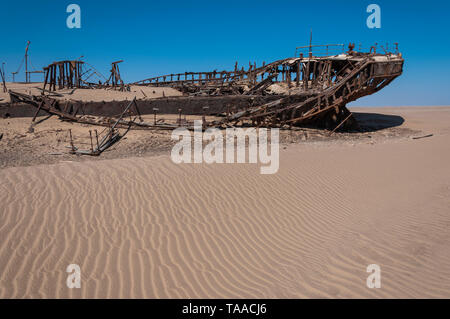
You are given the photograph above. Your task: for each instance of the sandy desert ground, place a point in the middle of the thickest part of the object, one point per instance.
(148, 228)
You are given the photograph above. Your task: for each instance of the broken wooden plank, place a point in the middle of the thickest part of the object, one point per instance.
(424, 136)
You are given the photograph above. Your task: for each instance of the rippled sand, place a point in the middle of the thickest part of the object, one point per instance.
(150, 228)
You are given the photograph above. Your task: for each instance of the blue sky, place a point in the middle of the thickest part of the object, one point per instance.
(159, 37)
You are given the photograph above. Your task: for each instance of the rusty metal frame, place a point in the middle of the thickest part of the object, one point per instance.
(323, 86)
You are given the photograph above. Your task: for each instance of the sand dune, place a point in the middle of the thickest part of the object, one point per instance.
(148, 228)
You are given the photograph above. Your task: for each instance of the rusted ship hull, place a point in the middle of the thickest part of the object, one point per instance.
(315, 89)
(299, 91)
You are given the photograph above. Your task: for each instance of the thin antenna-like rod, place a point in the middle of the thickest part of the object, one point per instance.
(310, 44)
(26, 62)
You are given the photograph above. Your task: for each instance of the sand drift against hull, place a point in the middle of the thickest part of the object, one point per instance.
(298, 91)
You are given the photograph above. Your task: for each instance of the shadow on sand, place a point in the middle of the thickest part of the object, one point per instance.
(371, 122)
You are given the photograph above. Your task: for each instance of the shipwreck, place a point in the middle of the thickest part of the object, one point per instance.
(305, 90)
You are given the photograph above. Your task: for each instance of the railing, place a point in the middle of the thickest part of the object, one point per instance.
(319, 50)
(193, 77)
(381, 48)
(334, 49)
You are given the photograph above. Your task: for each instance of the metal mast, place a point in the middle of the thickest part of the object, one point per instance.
(26, 63)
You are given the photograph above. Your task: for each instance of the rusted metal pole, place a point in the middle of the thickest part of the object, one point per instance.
(71, 141)
(340, 124)
(310, 45)
(96, 137)
(92, 145)
(2, 73)
(26, 62)
(204, 115)
(154, 115)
